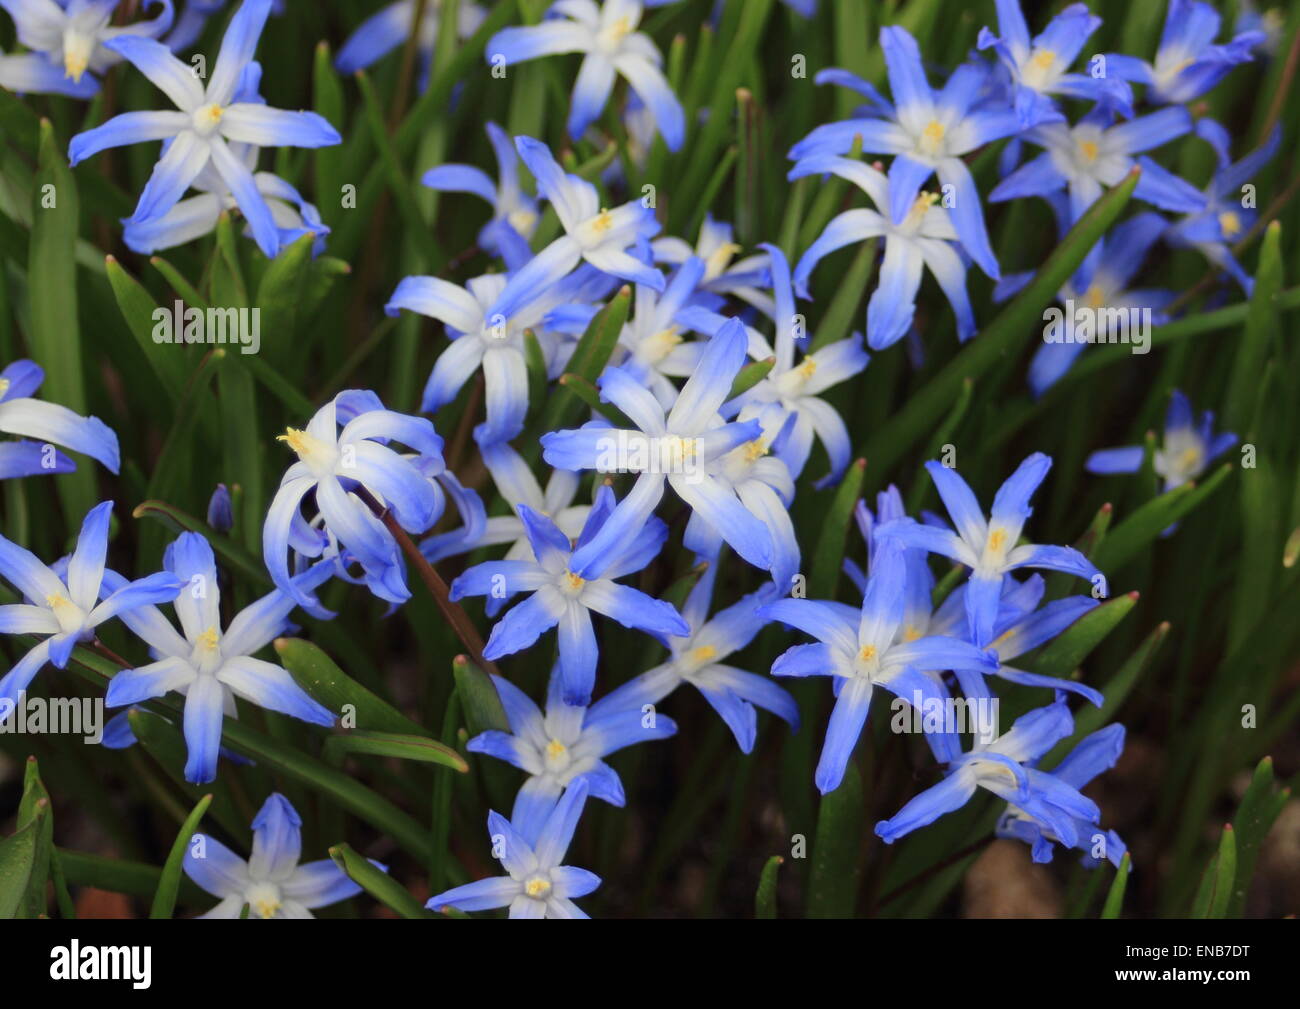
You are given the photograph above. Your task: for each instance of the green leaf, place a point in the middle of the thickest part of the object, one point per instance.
(590, 395)
(1115, 896)
(479, 698)
(388, 744)
(18, 858)
(837, 850)
(1251, 351)
(750, 375)
(321, 677)
(1013, 328)
(1089, 719)
(280, 295)
(35, 808)
(1255, 816)
(1216, 885)
(230, 552)
(118, 875)
(55, 333)
(377, 883)
(829, 555)
(1145, 524)
(137, 305)
(327, 95)
(1068, 650)
(765, 898)
(165, 743)
(164, 900)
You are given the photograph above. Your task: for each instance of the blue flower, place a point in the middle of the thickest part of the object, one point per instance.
(700, 661)
(381, 33)
(271, 883)
(683, 448)
(612, 46)
(221, 514)
(563, 746)
(724, 275)
(797, 388)
(1100, 288)
(1039, 67)
(866, 649)
(1004, 767)
(988, 548)
(1187, 450)
(514, 212)
(209, 666)
(592, 233)
(924, 237)
(336, 465)
(926, 133)
(47, 423)
(193, 19)
(538, 885)
(564, 596)
(1188, 63)
(205, 123)
(75, 34)
(197, 216)
(1094, 154)
(516, 484)
(483, 336)
(68, 604)
(1094, 753)
(1226, 217)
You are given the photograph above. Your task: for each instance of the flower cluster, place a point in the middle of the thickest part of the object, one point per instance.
(669, 440)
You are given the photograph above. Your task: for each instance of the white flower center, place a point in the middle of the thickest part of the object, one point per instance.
(263, 900)
(71, 617)
(207, 118)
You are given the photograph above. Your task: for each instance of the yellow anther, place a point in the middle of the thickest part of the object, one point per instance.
(1094, 297)
(537, 887)
(604, 221)
(704, 653)
(867, 653)
(266, 908)
(934, 131)
(755, 450)
(74, 65)
(4, 387)
(573, 582)
(208, 639)
(555, 749)
(57, 601)
(1229, 224)
(295, 438)
(1043, 59)
(911, 633)
(997, 538)
(808, 369)
(1089, 149)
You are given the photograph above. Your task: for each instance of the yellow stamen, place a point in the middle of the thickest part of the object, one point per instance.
(295, 438)
(755, 450)
(996, 539)
(266, 908)
(1095, 297)
(868, 653)
(910, 633)
(555, 749)
(1089, 149)
(537, 887)
(57, 601)
(604, 221)
(74, 65)
(933, 132)
(4, 387)
(208, 639)
(704, 653)
(573, 582)
(1229, 223)
(808, 369)
(1044, 59)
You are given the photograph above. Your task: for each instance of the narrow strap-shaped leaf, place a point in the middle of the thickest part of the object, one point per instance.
(377, 883)
(478, 697)
(829, 554)
(765, 897)
(1151, 519)
(389, 744)
(320, 676)
(164, 900)
(837, 850)
(1115, 896)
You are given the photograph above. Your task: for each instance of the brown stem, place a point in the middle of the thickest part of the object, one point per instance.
(921, 877)
(109, 654)
(408, 64)
(457, 617)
